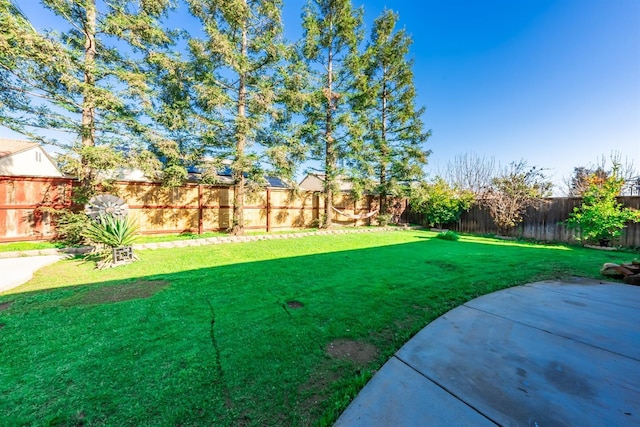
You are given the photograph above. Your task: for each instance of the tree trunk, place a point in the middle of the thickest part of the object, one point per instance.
(87, 127)
(241, 134)
(384, 152)
(330, 155)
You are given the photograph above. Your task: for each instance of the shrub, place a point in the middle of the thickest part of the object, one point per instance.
(108, 232)
(70, 226)
(439, 202)
(601, 218)
(384, 219)
(517, 188)
(448, 235)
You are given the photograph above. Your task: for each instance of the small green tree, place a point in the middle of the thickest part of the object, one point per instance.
(439, 202)
(601, 217)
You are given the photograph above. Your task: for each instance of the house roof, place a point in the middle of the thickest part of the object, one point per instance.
(9, 147)
(225, 176)
(275, 182)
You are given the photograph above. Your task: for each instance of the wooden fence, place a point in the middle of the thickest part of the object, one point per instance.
(545, 223)
(22, 200)
(189, 208)
(199, 208)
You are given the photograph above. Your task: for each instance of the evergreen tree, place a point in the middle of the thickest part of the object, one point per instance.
(234, 86)
(332, 34)
(393, 151)
(83, 80)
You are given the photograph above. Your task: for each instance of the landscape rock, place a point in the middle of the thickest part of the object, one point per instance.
(634, 279)
(610, 269)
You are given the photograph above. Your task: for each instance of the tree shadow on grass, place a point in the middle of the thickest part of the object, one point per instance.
(220, 345)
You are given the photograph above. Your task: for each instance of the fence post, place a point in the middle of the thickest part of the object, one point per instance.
(200, 213)
(268, 209)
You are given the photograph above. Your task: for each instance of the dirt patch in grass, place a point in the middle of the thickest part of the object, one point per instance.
(294, 304)
(5, 305)
(121, 292)
(316, 390)
(357, 351)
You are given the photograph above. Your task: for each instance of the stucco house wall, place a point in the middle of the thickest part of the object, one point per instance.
(23, 158)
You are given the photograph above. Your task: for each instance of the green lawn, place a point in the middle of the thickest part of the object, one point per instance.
(29, 246)
(238, 334)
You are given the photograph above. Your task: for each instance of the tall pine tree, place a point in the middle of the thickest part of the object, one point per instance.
(393, 152)
(332, 34)
(82, 81)
(234, 83)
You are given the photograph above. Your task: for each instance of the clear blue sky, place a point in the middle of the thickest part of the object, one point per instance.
(556, 83)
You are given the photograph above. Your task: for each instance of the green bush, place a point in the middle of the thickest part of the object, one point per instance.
(601, 218)
(439, 202)
(70, 226)
(384, 219)
(448, 235)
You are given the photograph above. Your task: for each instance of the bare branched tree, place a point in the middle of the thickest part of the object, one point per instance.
(516, 188)
(471, 172)
(577, 183)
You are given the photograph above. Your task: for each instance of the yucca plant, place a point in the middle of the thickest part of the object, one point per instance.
(108, 232)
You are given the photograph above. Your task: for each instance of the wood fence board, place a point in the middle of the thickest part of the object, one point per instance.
(546, 223)
(21, 203)
(203, 207)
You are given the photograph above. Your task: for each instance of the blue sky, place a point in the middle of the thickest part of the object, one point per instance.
(556, 83)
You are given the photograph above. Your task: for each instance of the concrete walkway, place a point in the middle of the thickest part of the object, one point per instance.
(545, 354)
(16, 271)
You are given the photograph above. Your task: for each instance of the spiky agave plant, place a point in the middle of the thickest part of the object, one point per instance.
(108, 232)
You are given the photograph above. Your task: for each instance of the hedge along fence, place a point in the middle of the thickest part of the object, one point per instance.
(545, 223)
(189, 208)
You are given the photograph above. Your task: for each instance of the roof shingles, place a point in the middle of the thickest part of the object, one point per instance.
(13, 146)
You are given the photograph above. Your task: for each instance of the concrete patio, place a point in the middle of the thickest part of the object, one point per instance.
(546, 354)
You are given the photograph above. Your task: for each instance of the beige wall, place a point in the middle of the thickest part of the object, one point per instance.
(32, 162)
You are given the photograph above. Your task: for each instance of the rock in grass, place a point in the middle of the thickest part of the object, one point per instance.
(610, 269)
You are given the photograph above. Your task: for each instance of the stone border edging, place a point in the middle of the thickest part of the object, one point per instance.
(203, 241)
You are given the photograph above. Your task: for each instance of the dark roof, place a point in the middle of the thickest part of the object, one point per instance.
(275, 182)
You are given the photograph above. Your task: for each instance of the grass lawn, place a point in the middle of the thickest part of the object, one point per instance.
(29, 246)
(243, 334)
